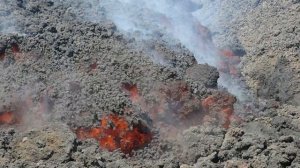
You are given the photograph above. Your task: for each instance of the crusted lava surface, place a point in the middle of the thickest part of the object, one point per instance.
(87, 95)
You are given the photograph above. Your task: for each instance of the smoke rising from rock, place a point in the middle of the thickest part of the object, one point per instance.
(183, 21)
(177, 19)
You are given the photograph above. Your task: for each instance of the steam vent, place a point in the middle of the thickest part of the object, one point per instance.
(149, 84)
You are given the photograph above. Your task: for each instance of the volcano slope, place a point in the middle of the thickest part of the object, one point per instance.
(60, 73)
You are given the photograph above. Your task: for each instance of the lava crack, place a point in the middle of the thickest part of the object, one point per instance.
(114, 132)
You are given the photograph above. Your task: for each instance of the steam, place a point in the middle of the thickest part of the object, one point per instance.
(178, 19)
(7, 21)
(188, 22)
(7, 26)
(183, 21)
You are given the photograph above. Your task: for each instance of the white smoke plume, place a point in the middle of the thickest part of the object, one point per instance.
(177, 18)
(183, 21)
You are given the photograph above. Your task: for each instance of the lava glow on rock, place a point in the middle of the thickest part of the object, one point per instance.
(15, 48)
(8, 118)
(114, 132)
(223, 104)
(229, 63)
(176, 108)
(133, 91)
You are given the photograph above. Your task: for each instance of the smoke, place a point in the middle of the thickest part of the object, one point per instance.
(179, 21)
(7, 27)
(7, 20)
(24, 110)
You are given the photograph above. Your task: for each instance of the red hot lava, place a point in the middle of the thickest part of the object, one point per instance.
(176, 106)
(22, 112)
(9, 118)
(114, 132)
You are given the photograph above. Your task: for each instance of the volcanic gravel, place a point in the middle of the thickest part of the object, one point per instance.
(60, 72)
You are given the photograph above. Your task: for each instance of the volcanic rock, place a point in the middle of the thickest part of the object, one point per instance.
(70, 71)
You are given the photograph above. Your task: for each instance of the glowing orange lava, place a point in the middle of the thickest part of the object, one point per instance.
(21, 112)
(176, 106)
(114, 133)
(8, 118)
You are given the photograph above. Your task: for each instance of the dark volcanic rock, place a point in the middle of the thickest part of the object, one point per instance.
(203, 74)
(201, 142)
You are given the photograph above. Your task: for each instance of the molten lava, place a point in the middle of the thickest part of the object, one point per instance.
(20, 113)
(176, 107)
(8, 118)
(114, 133)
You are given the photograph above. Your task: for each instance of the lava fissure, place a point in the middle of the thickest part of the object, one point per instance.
(114, 132)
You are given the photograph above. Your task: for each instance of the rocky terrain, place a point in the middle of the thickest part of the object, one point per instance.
(80, 93)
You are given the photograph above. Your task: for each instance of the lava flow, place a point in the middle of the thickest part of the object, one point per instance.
(114, 132)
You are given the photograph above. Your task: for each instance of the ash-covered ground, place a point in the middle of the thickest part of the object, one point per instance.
(76, 93)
